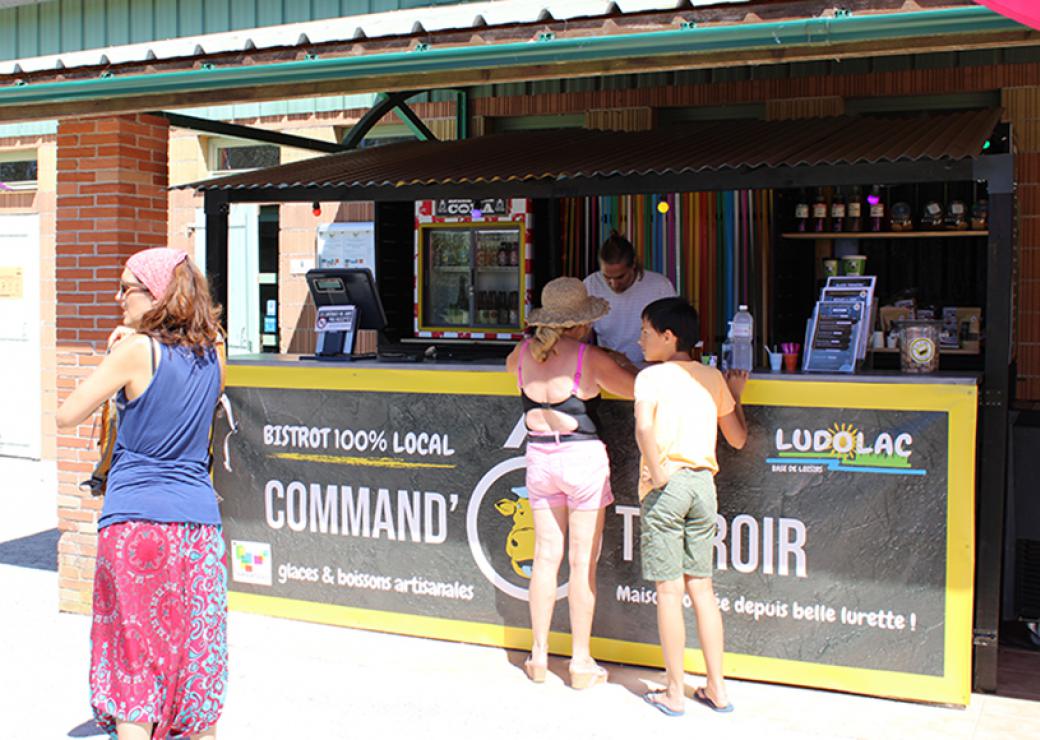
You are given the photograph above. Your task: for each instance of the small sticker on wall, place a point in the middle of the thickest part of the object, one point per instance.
(11, 282)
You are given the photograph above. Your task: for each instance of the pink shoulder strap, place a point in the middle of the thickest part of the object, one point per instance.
(577, 372)
(520, 366)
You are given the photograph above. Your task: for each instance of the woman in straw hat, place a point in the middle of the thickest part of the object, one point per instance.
(568, 474)
(158, 662)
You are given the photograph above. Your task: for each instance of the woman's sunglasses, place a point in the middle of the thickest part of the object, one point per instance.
(126, 289)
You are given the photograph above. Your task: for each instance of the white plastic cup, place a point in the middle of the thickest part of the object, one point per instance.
(776, 361)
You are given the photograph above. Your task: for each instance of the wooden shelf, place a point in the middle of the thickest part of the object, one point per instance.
(814, 235)
(889, 351)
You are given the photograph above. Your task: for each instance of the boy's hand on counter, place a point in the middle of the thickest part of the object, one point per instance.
(736, 380)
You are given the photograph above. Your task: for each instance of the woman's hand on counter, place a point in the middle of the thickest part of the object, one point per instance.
(736, 380)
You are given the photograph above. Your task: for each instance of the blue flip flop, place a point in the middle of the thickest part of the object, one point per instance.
(664, 709)
(702, 696)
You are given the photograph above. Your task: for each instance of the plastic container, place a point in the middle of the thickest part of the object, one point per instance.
(918, 345)
(742, 337)
(854, 264)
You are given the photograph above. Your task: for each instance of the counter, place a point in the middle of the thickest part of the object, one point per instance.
(390, 497)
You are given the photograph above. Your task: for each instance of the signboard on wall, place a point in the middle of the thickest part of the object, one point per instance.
(346, 245)
(831, 551)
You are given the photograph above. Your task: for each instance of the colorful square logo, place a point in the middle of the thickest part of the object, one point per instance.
(251, 562)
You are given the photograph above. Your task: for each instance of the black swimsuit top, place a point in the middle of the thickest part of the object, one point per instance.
(585, 411)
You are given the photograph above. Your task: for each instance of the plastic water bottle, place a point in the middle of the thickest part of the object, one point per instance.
(742, 337)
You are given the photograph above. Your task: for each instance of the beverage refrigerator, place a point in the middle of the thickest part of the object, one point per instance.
(472, 267)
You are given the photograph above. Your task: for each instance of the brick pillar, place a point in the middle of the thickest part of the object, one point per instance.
(111, 202)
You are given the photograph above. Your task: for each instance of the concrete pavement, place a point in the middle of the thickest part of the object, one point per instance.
(297, 680)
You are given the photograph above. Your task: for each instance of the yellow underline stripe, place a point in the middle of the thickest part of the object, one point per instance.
(372, 462)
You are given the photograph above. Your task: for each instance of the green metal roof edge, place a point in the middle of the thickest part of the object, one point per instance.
(808, 32)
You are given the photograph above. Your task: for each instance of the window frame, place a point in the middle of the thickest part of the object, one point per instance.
(216, 143)
(21, 155)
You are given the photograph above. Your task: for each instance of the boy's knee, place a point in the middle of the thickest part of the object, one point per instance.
(700, 585)
(670, 588)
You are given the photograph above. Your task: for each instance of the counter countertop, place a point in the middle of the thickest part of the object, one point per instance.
(891, 377)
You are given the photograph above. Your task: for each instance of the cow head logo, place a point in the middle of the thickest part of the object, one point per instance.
(520, 540)
(500, 529)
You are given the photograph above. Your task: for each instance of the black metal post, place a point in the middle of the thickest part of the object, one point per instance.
(217, 207)
(993, 418)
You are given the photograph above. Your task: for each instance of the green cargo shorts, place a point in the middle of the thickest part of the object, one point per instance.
(677, 526)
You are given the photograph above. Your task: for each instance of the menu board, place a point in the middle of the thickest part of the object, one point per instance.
(835, 333)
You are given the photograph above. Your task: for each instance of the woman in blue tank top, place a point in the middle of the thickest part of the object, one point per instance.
(159, 635)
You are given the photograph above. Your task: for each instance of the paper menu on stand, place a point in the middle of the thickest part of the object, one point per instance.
(833, 339)
(347, 245)
(855, 288)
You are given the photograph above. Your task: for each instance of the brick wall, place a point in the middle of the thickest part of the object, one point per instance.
(111, 202)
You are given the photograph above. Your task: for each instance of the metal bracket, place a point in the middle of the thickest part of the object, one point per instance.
(687, 26)
(842, 13)
(207, 65)
(106, 75)
(421, 46)
(984, 638)
(546, 36)
(310, 56)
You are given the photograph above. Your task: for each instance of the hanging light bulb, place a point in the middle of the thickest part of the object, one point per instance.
(316, 208)
(662, 207)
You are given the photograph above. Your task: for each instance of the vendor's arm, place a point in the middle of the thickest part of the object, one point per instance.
(610, 375)
(645, 411)
(127, 360)
(733, 424)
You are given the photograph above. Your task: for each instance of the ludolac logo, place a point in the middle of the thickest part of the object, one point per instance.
(843, 448)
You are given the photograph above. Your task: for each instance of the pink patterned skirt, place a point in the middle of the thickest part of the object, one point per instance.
(159, 636)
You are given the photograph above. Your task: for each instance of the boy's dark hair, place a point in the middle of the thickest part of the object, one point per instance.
(677, 316)
(617, 250)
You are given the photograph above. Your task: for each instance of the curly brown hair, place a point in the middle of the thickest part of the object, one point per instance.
(186, 315)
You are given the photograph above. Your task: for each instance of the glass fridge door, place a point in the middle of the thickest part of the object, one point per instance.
(447, 278)
(499, 277)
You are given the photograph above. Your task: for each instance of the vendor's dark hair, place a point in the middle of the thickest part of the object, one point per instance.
(677, 316)
(617, 250)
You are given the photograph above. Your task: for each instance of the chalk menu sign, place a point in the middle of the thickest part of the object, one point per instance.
(834, 337)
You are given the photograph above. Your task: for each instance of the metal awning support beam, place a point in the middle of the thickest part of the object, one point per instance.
(249, 132)
(384, 105)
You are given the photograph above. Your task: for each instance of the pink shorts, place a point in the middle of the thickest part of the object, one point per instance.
(575, 475)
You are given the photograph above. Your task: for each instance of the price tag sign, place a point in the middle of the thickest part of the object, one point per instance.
(335, 318)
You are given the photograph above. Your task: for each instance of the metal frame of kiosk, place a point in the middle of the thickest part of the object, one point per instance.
(995, 167)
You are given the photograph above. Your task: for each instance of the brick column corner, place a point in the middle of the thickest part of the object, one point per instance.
(111, 202)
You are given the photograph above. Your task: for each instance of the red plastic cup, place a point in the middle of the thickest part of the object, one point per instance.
(791, 362)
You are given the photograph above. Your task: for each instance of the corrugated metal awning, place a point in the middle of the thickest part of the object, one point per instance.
(585, 155)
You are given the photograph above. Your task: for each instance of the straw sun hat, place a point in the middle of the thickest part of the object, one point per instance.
(566, 303)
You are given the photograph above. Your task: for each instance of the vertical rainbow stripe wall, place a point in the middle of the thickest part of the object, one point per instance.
(715, 247)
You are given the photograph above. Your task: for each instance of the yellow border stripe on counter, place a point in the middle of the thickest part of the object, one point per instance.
(959, 401)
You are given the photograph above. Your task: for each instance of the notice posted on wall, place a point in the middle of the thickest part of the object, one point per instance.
(346, 245)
